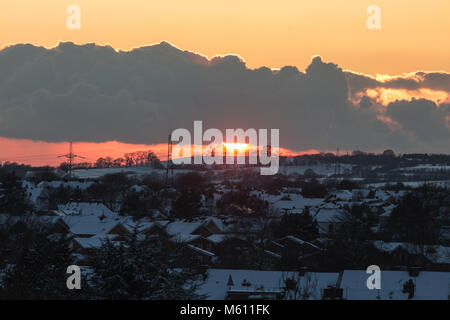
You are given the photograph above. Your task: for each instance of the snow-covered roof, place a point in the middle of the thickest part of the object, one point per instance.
(200, 250)
(445, 233)
(216, 238)
(181, 227)
(91, 226)
(388, 210)
(392, 246)
(84, 209)
(138, 188)
(218, 222)
(215, 287)
(272, 254)
(344, 195)
(438, 254)
(185, 238)
(429, 285)
(434, 253)
(73, 220)
(88, 243)
(299, 241)
(328, 215)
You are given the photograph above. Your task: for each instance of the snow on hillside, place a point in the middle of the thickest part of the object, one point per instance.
(134, 171)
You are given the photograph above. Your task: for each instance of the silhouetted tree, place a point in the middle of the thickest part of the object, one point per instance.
(412, 220)
(13, 195)
(300, 225)
(140, 268)
(187, 204)
(37, 267)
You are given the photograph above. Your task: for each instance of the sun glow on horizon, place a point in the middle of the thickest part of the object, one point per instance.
(237, 146)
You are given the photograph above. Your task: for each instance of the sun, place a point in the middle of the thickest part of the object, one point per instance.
(236, 146)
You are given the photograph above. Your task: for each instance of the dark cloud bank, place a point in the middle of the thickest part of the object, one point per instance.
(93, 93)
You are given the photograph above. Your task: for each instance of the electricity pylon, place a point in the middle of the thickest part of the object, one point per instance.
(71, 156)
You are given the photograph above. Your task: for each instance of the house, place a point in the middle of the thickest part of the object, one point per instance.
(89, 226)
(301, 248)
(408, 254)
(201, 256)
(292, 203)
(385, 213)
(200, 236)
(82, 247)
(329, 220)
(150, 228)
(291, 250)
(182, 229)
(214, 225)
(270, 258)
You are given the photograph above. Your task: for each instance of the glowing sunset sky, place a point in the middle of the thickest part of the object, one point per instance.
(414, 36)
(40, 153)
(414, 33)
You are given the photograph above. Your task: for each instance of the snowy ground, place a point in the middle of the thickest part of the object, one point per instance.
(426, 167)
(326, 170)
(414, 184)
(137, 171)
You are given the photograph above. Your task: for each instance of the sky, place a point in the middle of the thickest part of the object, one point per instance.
(413, 34)
(311, 68)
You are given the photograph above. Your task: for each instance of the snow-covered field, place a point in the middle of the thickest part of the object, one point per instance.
(413, 184)
(136, 171)
(325, 170)
(321, 169)
(426, 167)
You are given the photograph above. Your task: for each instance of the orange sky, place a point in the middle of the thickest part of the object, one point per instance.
(414, 33)
(41, 153)
(413, 36)
(46, 153)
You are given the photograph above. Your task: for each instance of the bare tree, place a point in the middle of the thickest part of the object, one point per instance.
(299, 287)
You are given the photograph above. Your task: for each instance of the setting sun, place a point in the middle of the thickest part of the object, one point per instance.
(236, 146)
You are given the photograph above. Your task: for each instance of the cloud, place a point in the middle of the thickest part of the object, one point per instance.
(434, 86)
(421, 119)
(94, 93)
